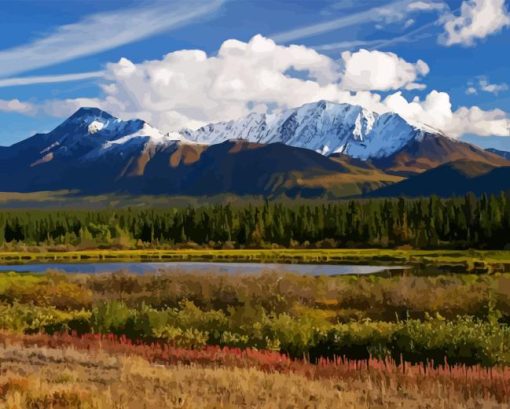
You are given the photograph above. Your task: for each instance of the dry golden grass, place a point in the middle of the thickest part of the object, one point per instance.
(40, 377)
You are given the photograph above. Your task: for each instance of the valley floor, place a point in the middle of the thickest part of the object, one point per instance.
(64, 377)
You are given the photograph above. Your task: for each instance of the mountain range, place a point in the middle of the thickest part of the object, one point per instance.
(321, 149)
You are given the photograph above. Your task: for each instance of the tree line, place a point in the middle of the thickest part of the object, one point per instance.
(470, 221)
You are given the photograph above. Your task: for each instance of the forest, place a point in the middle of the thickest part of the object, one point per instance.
(427, 223)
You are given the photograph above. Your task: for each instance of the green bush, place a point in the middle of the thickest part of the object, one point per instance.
(356, 340)
(32, 319)
(465, 340)
(110, 317)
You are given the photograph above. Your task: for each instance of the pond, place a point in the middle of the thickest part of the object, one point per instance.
(206, 267)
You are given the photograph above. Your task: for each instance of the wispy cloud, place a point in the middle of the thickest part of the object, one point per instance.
(395, 10)
(49, 79)
(101, 32)
(417, 34)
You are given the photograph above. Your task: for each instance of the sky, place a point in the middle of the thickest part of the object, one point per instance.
(183, 64)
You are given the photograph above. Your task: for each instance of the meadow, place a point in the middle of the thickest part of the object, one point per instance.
(270, 340)
(102, 372)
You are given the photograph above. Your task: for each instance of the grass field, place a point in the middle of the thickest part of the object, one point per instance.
(454, 260)
(53, 372)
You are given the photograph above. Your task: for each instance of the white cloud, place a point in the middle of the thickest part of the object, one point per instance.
(483, 85)
(188, 88)
(471, 90)
(436, 111)
(427, 6)
(392, 12)
(477, 20)
(492, 88)
(417, 34)
(103, 31)
(15, 105)
(476, 121)
(380, 71)
(49, 79)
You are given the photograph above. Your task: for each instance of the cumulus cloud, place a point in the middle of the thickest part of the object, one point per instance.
(477, 20)
(15, 105)
(476, 121)
(188, 88)
(436, 111)
(380, 71)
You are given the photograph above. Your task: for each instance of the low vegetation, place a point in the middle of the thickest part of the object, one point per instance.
(311, 317)
(98, 372)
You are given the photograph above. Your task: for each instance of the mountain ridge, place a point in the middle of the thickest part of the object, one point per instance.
(322, 126)
(318, 149)
(451, 179)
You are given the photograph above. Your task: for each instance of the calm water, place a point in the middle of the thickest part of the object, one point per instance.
(250, 268)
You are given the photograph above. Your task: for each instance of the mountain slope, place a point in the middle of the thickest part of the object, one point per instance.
(503, 154)
(451, 179)
(246, 168)
(431, 151)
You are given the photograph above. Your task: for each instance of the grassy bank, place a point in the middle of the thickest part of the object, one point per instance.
(478, 261)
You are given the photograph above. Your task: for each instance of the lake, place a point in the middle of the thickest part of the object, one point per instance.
(209, 267)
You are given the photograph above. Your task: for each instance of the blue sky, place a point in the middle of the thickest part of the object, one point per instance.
(462, 58)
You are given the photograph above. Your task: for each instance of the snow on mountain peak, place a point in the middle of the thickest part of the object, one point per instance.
(322, 126)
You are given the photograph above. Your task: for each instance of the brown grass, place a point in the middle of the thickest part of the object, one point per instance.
(41, 377)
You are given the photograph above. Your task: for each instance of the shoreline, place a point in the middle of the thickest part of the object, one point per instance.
(476, 261)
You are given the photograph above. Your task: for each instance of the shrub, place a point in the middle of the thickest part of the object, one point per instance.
(32, 319)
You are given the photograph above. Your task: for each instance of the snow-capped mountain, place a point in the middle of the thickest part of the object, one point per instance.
(314, 150)
(91, 132)
(324, 127)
